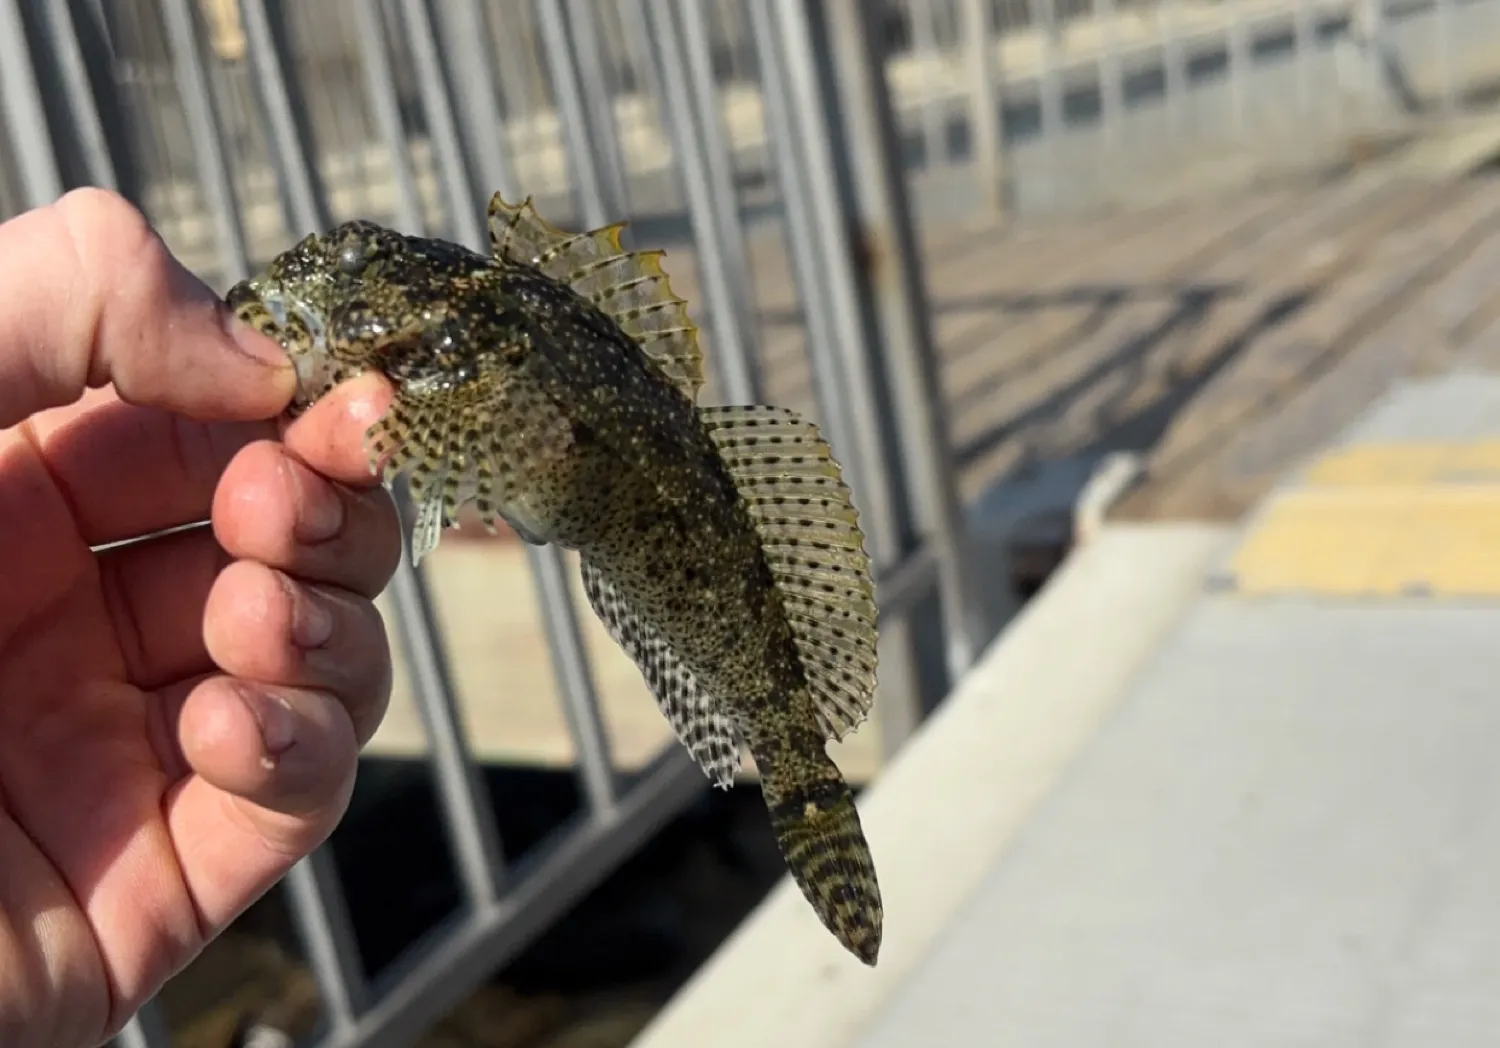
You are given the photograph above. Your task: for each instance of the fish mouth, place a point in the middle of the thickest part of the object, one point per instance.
(273, 311)
(248, 302)
(242, 296)
(298, 328)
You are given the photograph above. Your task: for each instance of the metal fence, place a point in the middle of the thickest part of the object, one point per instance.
(239, 126)
(1028, 104)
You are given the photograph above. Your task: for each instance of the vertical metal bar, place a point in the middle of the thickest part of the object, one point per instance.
(25, 117)
(597, 202)
(799, 209)
(1237, 44)
(466, 211)
(1111, 76)
(208, 137)
(1050, 101)
(692, 113)
(575, 679)
(316, 898)
(923, 20)
(385, 106)
(465, 804)
(96, 50)
(853, 394)
(549, 572)
(294, 156)
(83, 114)
(638, 49)
(986, 136)
(146, 1030)
(591, 67)
(904, 320)
(466, 53)
(797, 123)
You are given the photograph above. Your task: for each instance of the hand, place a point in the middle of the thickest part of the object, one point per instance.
(179, 719)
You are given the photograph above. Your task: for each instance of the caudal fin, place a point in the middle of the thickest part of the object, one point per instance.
(825, 849)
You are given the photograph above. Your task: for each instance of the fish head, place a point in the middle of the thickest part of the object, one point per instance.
(362, 296)
(294, 297)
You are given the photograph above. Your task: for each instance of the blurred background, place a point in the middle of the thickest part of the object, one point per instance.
(1045, 272)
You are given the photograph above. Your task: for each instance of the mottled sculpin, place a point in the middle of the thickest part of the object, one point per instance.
(554, 384)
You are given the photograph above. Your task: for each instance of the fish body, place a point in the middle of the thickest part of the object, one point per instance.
(553, 383)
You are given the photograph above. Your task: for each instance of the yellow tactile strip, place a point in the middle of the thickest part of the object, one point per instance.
(1381, 520)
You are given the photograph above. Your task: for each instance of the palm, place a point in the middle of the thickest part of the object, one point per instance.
(138, 809)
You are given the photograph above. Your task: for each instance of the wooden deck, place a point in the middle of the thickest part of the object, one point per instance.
(1223, 341)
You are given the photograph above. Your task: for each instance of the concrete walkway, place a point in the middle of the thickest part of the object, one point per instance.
(1212, 788)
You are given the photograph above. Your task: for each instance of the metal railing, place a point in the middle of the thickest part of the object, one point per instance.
(239, 126)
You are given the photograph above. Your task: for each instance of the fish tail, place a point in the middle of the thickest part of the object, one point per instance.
(818, 830)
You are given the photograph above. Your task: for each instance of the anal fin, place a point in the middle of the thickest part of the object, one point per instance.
(702, 727)
(812, 542)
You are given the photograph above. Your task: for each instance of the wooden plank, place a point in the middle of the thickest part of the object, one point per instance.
(1040, 368)
(1136, 350)
(1313, 257)
(1348, 381)
(1213, 470)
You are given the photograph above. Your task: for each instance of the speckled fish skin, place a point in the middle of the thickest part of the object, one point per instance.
(554, 385)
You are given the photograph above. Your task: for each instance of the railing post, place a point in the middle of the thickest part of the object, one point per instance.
(145, 1030)
(25, 116)
(850, 229)
(901, 317)
(690, 110)
(986, 134)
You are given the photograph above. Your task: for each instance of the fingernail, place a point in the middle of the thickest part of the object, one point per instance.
(320, 511)
(250, 342)
(275, 719)
(312, 617)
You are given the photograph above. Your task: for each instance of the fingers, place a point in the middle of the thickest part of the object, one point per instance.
(275, 768)
(154, 593)
(262, 625)
(102, 300)
(272, 508)
(167, 478)
(311, 507)
(285, 750)
(273, 741)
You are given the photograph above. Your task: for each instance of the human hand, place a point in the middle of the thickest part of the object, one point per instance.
(179, 719)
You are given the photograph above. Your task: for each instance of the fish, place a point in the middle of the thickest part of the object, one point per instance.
(553, 383)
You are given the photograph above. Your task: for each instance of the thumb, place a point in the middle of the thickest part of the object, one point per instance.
(89, 296)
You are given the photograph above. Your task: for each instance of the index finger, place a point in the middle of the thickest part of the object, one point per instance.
(89, 295)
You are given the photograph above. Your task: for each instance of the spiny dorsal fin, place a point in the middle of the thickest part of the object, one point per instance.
(810, 533)
(629, 286)
(699, 723)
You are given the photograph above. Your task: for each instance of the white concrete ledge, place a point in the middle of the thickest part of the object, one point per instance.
(947, 807)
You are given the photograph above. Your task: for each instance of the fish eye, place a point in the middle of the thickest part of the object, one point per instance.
(355, 255)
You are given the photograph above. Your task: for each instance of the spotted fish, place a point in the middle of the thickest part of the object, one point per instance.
(553, 383)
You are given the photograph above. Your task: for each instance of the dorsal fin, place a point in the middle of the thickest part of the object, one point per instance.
(700, 724)
(629, 286)
(810, 534)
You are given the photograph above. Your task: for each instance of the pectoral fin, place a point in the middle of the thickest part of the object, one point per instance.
(811, 539)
